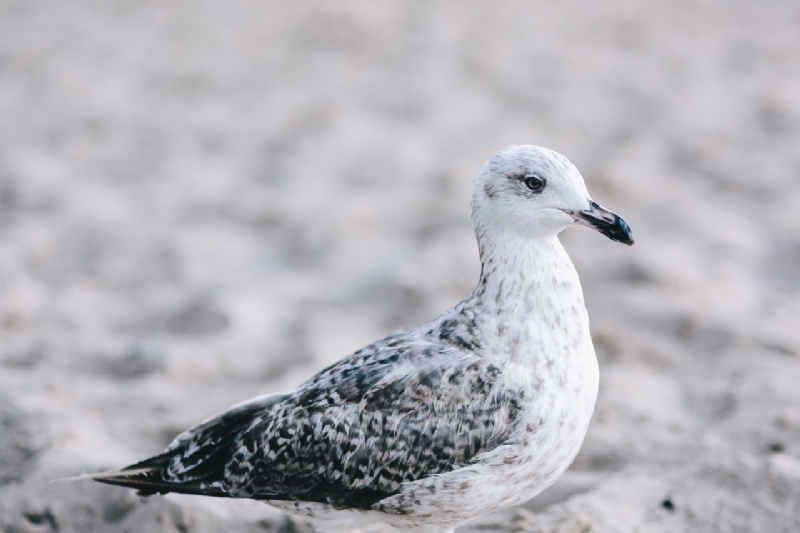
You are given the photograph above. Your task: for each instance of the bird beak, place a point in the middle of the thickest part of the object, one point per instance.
(604, 221)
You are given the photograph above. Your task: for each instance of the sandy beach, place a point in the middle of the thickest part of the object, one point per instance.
(201, 202)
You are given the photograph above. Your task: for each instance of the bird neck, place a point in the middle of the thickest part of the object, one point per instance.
(524, 276)
(527, 302)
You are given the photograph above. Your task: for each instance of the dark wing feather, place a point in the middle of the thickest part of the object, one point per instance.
(395, 412)
(217, 435)
(147, 478)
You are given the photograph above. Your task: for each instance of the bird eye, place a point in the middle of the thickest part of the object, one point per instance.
(534, 183)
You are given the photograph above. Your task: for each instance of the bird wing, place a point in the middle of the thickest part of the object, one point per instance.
(397, 411)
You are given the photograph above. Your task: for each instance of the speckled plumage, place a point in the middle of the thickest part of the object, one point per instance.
(477, 411)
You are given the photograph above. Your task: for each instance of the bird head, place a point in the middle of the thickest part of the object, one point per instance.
(537, 192)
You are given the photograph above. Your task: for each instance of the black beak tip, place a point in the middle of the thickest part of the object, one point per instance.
(609, 224)
(620, 231)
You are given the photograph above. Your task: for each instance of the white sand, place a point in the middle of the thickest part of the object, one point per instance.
(158, 264)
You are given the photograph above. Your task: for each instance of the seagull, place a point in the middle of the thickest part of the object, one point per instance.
(427, 429)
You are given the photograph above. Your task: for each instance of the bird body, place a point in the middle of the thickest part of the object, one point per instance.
(478, 411)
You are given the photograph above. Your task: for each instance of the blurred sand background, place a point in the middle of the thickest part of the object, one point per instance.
(202, 201)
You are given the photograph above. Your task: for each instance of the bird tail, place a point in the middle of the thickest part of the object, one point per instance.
(146, 477)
